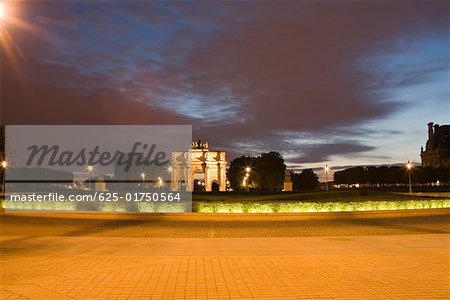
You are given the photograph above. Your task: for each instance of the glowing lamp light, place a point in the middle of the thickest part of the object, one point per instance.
(327, 168)
(2, 10)
(248, 169)
(409, 165)
(169, 169)
(143, 176)
(4, 164)
(90, 168)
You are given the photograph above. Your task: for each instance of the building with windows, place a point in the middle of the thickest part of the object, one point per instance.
(437, 148)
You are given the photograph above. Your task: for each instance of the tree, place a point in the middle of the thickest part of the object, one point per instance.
(306, 180)
(266, 171)
(390, 175)
(237, 171)
(269, 171)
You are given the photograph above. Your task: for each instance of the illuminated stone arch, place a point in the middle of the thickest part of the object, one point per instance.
(200, 158)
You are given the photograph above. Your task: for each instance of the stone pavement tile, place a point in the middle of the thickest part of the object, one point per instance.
(6, 294)
(377, 276)
(403, 273)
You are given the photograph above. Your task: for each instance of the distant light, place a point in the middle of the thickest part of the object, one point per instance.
(326, 169)
(248, 169)
(143, 176)
(169, 169)
(4, 163)
(409, 165)
(2, 10)
(90, 168)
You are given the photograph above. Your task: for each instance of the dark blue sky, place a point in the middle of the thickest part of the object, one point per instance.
(342, 83)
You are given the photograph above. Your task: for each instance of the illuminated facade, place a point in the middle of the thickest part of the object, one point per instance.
(288, 186)
(207, 169)
(437, 149)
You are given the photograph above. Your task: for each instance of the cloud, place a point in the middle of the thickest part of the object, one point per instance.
(71, 101)
(322, 152)
(244, 74)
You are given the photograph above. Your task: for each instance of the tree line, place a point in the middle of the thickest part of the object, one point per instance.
(267, 172)
(390, 175)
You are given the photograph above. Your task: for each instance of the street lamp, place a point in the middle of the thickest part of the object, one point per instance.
(247, 175)
(4, 166)
(90, 169)
(326, 169)
(142, 175)
(409, 167)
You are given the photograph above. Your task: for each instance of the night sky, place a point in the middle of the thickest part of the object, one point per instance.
(344, 83)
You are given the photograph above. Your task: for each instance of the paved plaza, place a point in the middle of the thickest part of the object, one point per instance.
(410, 263)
